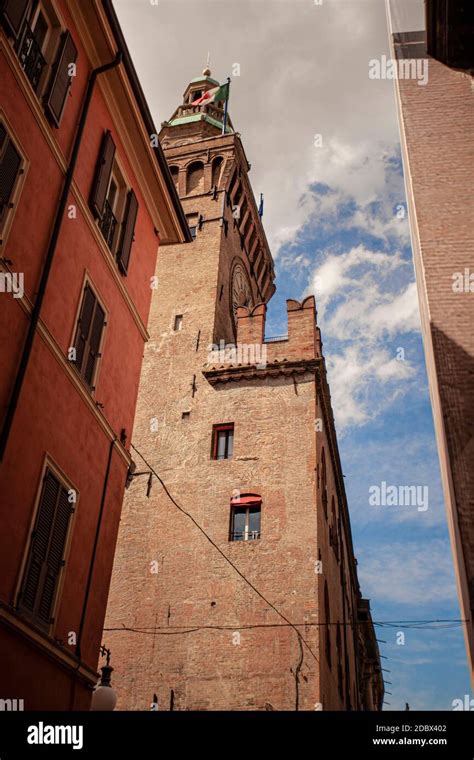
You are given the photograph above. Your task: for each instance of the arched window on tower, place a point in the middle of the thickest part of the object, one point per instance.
(327, 620)
(340, 675)
(217, 166)
(175, 175)
(195, 178)
(324, 489)
(333, 530)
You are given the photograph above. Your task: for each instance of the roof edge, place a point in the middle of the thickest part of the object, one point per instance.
(146, 115)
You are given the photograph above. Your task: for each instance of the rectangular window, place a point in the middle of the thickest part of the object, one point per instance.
(222, 441)
(46, 552)
(88, 337)
(178, 322)
(245, 523)
(11, 168)
(46, 54)
(193, 222)
(114, 204)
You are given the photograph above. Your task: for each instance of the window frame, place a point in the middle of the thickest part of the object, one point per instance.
(124, 207)
(7, 221)
(49, 47)
(87, 281)
(256, 505)
(123, 187)
(222, 428)
(193, 224)
(48, 465)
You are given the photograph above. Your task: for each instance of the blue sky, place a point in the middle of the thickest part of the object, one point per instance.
(359, 267)
(323, 141)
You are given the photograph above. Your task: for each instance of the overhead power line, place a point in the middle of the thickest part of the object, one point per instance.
(224, 556)
(181, 629)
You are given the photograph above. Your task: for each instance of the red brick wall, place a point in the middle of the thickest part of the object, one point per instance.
(437, 123)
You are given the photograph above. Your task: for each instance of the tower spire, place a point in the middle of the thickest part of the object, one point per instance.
(207, 71)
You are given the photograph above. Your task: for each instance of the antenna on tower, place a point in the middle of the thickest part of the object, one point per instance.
(207, 70)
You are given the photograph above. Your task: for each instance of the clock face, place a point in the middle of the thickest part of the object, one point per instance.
(241, 292)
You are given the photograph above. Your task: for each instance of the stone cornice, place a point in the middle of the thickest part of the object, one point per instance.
(238, 372)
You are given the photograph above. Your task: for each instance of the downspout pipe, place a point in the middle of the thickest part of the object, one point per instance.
(53, 242)
(72, 699)
(94, 550)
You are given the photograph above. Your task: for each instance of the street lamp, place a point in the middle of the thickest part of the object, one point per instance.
(104, 697)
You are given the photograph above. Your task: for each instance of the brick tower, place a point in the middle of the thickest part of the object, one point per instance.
(246, 595)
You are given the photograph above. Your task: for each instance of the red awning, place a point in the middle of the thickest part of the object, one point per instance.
(245, 499)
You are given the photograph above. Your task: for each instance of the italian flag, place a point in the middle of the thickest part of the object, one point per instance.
(213, 96)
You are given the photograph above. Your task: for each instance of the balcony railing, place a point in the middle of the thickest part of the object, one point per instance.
(276, 338)
(188, 109)
(30, 56)
(245, 535)
(108, 224)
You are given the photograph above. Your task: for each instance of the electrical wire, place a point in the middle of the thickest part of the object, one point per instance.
(225, 557)
(181, 629)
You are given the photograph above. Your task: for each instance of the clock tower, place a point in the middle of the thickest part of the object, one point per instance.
(234, 583)
(210, 170)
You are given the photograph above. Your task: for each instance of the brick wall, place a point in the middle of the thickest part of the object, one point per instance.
(437, 123)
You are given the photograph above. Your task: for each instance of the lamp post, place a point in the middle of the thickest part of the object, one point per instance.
(104, 697)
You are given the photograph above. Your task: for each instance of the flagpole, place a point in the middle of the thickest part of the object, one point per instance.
(224, 123)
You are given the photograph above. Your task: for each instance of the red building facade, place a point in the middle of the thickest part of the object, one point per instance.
(85, 200)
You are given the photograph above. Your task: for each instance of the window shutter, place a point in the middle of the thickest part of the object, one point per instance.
(94, 343)
(102, 176)
(13, 15)
(61, 80)
(39, 545)
(9, 168)
(128, 229)
(55, 557)
(84, 324)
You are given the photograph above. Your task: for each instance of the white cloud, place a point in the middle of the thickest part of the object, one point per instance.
(363, 299)
(409, 573)
(364, 384)
(303, 71)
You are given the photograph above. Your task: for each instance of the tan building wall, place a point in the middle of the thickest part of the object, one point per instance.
(437, 124)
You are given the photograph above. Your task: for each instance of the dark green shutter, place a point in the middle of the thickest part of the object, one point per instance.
(102, 175)
(61, 80)
(55, 556)
(128, 229)
(88, 335)
(9, 168)
(83, 327)
(39, 545)
(13, 15)
(94, 343)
